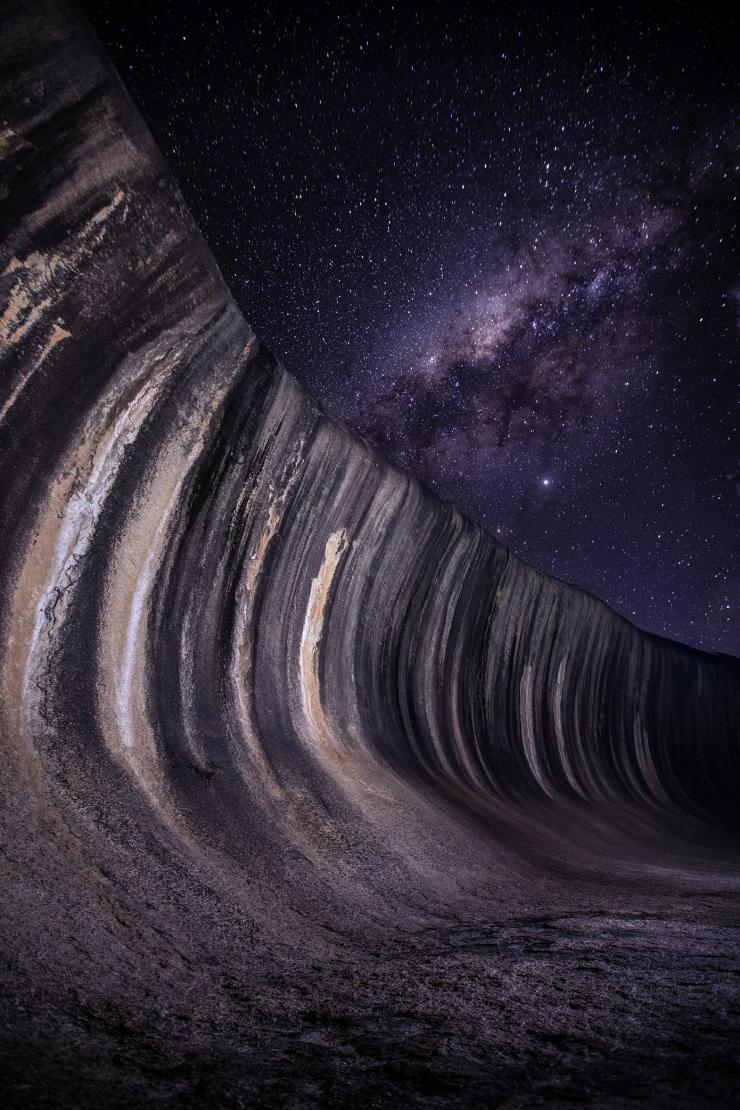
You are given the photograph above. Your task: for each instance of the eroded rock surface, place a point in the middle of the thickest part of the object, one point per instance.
(312, 793)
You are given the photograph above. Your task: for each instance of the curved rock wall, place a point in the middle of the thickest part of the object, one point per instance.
(251, 673)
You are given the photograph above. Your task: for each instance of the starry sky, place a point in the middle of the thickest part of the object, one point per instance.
(499, 240)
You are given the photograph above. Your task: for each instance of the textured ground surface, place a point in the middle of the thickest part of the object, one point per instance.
(311, 793)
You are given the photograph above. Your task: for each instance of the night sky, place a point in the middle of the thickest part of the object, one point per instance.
(501, 242)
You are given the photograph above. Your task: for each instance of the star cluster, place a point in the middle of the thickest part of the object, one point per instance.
(501, 242)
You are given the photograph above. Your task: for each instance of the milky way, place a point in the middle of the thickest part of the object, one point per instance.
(502, 247)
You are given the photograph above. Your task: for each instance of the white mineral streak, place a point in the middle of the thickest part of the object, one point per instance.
(131, 673)
(591, 784)
(241, 656)
(313, 626)
(466, 747)
(449, 588)
(529, 739)
(557, 713)
(75, 535)
(378, 538)
(645, 761)
(34, 293)
(131, 576)
(56, 336)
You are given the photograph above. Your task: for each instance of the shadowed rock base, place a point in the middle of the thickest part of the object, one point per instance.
(312, 794)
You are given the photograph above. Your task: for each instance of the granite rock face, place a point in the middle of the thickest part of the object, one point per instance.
(312, 793)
